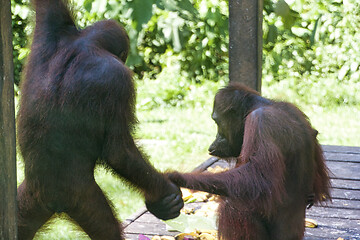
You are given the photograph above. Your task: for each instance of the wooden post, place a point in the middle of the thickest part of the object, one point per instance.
(245, 46)
(8, 224)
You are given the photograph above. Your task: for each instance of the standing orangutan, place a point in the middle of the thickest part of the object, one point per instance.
(279, 164)
(77, 109)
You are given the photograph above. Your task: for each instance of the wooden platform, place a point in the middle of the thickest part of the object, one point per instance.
(339, 219)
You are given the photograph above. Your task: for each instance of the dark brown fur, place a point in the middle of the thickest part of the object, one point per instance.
(77, 109)
(279, 165)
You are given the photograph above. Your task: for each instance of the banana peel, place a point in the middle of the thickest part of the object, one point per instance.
(186, 194)
(190, 196)
(182, 236)
(207, 236)
(310, 223)
(167, 238)
(216, 169)
(198, 235)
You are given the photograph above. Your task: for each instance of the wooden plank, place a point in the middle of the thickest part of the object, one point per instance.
(203, 166)
(131, 236)
(345, 184)
(329, 227)
(333, 228)
(152, 228)
(344, 204)
(342, 157)
(314, 238)
(327, 230)
(134, 217)
(245, 42)
(340, 149)
(8, 229)
(344, 170)
(147, 218)
(348, 194)
(341, 218)
(348, 225)
(338, 213)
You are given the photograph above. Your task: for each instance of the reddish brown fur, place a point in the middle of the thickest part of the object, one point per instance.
(279, 164)
(77, 109)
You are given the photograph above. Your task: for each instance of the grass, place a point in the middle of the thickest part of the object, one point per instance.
(178, 138)
(337, 126)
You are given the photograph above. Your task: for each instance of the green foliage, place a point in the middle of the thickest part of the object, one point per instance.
(310, 47)
(311, 53)
(20, 21)
(205, 56)
(172, 89)
(196, 34)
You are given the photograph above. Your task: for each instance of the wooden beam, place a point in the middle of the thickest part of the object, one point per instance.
(8, 224)
(245, 46)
